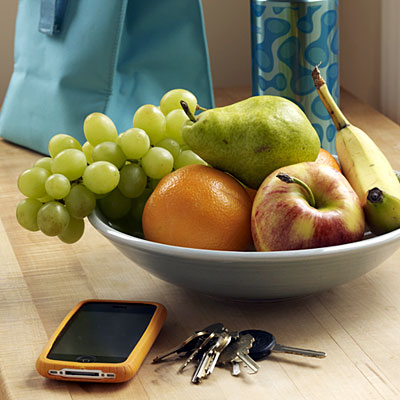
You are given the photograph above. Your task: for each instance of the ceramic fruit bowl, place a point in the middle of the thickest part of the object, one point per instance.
(253, 275)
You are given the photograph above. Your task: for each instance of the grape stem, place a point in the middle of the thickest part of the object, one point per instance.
(187, 111)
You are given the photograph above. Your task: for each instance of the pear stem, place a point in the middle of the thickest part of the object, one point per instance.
(290, 179)
(187, 111)
(334, 111)
(200, 108)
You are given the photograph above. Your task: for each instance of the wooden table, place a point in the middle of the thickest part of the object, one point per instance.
(41, 279)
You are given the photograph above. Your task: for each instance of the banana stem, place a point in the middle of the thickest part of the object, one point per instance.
(187, 111)
(290, 179)
(375, 195)
(336, 114)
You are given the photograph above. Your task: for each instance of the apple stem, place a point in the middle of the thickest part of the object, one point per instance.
(187, 111)
(290, 179)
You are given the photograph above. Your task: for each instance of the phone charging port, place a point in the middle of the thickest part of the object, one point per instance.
(82, 373)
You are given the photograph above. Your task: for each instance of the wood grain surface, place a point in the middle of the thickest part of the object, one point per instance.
(41, 279)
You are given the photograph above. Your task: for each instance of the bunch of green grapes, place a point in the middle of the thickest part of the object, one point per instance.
(116, 172)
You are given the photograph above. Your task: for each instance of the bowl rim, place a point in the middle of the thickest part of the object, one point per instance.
(287, 255)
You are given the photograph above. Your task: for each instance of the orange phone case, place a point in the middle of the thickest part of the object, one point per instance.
(102, 372)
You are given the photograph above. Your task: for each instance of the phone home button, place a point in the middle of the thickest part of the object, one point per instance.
(86, 359)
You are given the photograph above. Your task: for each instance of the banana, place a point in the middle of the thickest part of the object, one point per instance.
(382, 210)
(363, 163)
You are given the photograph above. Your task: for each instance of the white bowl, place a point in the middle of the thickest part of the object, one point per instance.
(253, 275)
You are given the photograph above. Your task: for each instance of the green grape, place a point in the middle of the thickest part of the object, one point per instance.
(157, 162)
(80, 202)
(152, 121)
(31, 182)
(70, 162)
(171, 145)
(53, 218)
(57, 186)
(46, 198)
(185, 147)
(139, 203)
(111, 152)
(73, 232)
(118, 141)
(132, 180)
(135, 143)
(44, 162)
(62, 142)
(175, 119)
(188, 157)
(115, 205)
(171, 101)
(27, 211)
(101, 177)
(99, 128)
(87, 149)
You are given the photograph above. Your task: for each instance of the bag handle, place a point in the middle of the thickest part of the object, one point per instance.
(51, 16)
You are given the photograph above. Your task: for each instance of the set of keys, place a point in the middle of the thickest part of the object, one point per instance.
(215, 345)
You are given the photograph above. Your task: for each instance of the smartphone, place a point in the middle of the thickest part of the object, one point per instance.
(102, 341)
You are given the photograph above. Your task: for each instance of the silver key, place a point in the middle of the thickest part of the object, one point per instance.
(189, 343)
(235, 368)
(248, 362)
(181, 348)
(238, 352)
(217, 329)
(265, 343)
(280, 348)
(222, 342)
(202, 367)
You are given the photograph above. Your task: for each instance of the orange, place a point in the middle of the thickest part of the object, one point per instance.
(324, 157)
(200, 207)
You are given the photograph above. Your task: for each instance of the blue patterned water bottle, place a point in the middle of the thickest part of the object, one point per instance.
(289, 38)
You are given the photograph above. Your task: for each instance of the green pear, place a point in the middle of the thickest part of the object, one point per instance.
(252, 138)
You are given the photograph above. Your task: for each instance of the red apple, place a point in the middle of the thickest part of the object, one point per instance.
(285, 218)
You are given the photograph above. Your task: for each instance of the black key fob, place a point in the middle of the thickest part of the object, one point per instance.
(264, 342)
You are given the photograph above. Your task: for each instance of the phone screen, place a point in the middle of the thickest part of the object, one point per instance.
(102, 332)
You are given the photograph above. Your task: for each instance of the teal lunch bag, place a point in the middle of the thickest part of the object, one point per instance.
(80, 56)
